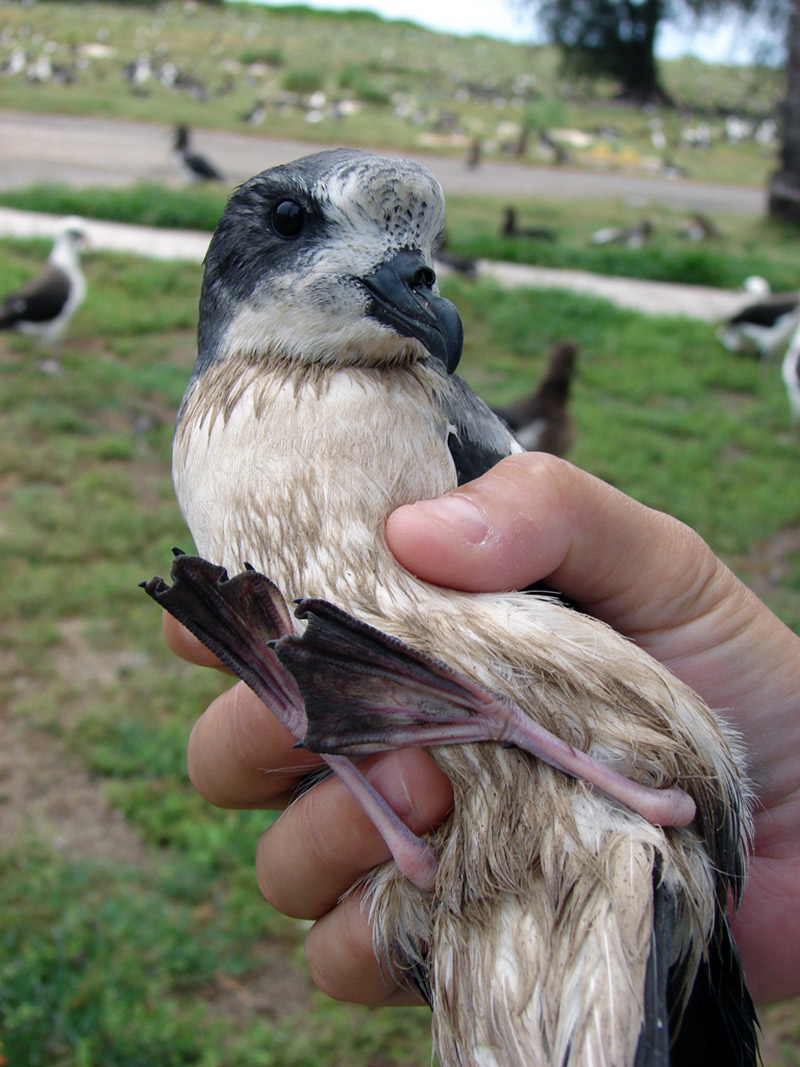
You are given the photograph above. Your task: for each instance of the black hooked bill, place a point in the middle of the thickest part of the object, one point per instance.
(403, 298)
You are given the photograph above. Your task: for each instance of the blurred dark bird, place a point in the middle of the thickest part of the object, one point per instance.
(509, 227)
(790, 372)
(193, 165)
(44, 306)
(700, 228)
(474, 153)
(763, 328)
(572, 909)
(452, 261)
(671, 169)
(541, 421)
(556, 151)
(631, 236)
(256, 115)
(520, 148)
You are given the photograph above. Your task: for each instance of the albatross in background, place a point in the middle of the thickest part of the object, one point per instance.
(571, 910)
(194, 165)
(790, 372)
(44, 305)
(540, 421)
(763, 328)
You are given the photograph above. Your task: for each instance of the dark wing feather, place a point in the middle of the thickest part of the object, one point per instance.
(477, 438)
(719, 1026)
(766, 313)
(200, 166)
(653, 1047)
(41, 300)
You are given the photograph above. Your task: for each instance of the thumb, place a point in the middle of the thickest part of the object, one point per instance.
(535, 517)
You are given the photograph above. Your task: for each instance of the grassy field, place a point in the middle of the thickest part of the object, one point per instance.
(744, 246)
(357, 79)
(131, 928)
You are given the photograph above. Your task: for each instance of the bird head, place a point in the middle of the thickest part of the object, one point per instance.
(328, 261)
(71, 238)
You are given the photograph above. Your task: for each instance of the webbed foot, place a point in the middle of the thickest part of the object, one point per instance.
(367, 692)
(239, 619)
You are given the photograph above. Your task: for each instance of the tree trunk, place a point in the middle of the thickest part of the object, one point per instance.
(784, 185)
(637, 70)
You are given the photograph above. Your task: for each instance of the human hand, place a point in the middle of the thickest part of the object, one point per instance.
(530, 518)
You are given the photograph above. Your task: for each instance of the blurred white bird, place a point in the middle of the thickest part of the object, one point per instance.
(44, 305)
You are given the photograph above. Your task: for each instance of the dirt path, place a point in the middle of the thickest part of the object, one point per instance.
(81, 150)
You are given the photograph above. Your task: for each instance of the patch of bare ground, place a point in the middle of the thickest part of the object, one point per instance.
(46, 795)
(276, 988)
(76, 659)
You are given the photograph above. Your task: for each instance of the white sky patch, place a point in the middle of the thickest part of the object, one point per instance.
(719, 41)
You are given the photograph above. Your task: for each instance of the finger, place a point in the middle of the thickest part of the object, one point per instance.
(342, 961)
(240, 756)
(186, 645)
(323, 843)
(770, 949)
(535, 517)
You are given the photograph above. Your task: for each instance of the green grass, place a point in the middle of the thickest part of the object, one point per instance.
(407, 88)
(166, 953)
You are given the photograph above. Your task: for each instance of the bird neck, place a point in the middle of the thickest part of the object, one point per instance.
(64, 256)
(296, 474)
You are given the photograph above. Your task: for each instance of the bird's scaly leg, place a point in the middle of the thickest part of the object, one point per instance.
(239, 619)
(367, 692)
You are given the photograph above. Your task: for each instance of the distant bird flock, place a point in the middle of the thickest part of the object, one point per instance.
(146, 67)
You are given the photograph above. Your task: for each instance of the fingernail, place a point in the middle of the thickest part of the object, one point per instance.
(458, 511)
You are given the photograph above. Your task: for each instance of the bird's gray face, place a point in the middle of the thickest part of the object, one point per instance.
(328, 261)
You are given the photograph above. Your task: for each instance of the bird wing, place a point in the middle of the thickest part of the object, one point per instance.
(477, 439)
(40, 300)
(767, 312)
(201, 166)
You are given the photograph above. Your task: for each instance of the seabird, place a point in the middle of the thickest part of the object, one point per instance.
(763, 328)
(195, 166)
(630, 236)
(790, 372)
(700, 228)
(572, 909)
(44, 306)
(445, 260)
(540, 421)
(509, 227)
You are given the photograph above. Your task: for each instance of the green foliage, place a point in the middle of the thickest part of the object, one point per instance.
(613, 38)
(356, 78)
(303, 81)
(270, 57)
(191, 208)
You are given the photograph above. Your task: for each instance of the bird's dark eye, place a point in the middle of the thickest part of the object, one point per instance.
(287, 218)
